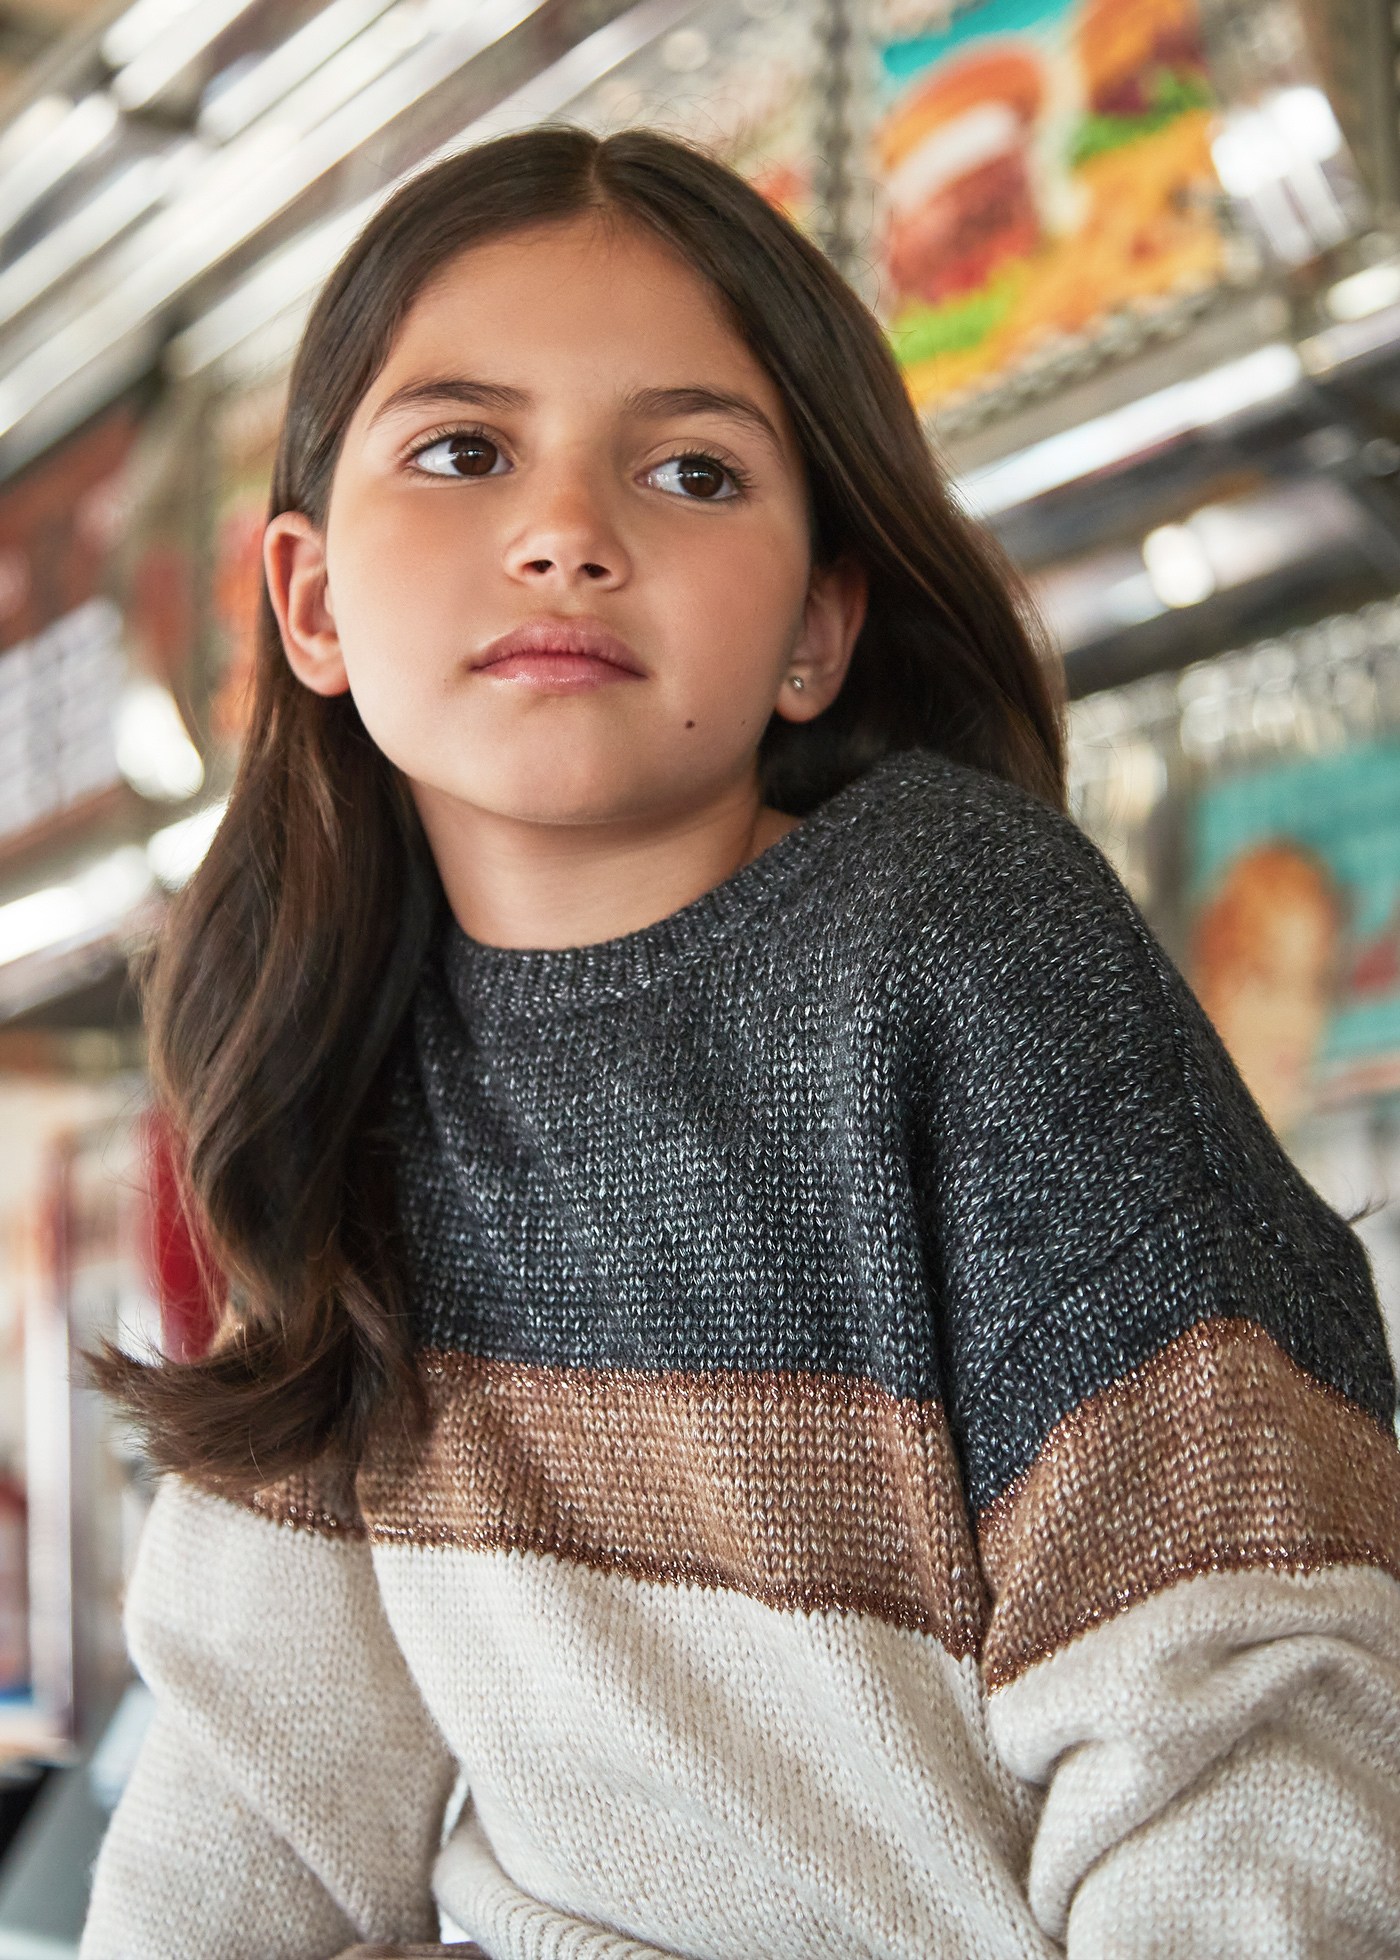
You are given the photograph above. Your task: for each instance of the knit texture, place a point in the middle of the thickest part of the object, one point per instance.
(910, 1469)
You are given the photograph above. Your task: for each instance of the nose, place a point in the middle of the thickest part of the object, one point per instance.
(567, 537)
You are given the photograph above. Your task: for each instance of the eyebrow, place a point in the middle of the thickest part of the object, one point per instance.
(656, 404)
(645, 404)
(450, 388)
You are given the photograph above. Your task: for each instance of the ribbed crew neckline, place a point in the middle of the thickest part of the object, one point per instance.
(490, 982)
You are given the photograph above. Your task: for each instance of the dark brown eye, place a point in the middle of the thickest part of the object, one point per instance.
(696, 476)
(459, 455)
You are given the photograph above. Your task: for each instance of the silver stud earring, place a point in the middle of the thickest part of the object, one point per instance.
(797, 680)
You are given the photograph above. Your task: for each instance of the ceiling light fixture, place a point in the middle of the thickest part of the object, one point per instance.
(288, 277)
(176, 853)
(70, 138)
(154, 751)
(119, 203)
(94, 903)
(285, 66)
(1124, 433)
(162, 56)
(1363, 293)
(1178, 566)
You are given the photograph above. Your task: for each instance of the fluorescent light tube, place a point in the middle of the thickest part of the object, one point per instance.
(175, 853)
(87, 906)
(283, 67)
(165, 55)
(1126, 432)
(68, 142)
(104, 217)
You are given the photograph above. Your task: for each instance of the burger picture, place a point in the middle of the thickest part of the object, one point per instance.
(1142, 64)
(1047, 168)
(954, 156)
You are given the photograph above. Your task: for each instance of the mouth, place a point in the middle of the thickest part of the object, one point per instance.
(561, 646)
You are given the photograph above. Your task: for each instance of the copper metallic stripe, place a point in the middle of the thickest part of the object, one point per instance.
(1219, 1454)
(804, 1491)
(319, 1499)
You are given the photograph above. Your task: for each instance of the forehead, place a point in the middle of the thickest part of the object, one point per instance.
(590, 301)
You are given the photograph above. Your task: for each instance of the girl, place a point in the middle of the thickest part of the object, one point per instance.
(778, 1397)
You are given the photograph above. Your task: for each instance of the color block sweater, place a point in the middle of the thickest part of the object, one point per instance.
(910, 1476)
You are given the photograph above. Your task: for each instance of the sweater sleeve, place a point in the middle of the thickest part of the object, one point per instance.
(288, 1799)
(1169, 1386)
(1194, 1647)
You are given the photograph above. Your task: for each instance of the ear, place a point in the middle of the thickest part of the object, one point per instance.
(832, 617)
(294, 559)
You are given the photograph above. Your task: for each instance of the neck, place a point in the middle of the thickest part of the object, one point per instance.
(521, 882)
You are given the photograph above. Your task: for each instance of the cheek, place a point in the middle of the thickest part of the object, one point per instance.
(741, 589)
(403, 582)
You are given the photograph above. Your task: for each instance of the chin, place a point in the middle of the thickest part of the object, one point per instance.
(551, 789)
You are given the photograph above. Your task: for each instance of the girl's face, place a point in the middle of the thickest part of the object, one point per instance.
(567, 430)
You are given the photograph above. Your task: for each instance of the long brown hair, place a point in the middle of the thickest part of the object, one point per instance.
(288, 962)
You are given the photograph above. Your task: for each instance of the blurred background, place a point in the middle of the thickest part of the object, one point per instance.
(1140, 260)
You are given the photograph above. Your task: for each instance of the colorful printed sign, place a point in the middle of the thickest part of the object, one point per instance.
(1296, 934)
(1044, 164)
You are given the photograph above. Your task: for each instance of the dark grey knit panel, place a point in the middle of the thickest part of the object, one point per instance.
(892, 1101)
(1202, 1257)
(1084, 1127)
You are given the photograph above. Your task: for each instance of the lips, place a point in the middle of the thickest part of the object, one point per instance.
(570, 640)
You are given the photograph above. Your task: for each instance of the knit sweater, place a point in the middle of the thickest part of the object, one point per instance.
(910, 1473)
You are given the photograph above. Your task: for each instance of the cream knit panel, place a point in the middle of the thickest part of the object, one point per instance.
(680, 1769)
(290, 1743)
(187, 1868)
(1223, 1763)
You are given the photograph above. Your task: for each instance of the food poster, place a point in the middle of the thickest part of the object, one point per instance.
(1295, 927)
(246, 426)
(742, 78)
(1043, 165)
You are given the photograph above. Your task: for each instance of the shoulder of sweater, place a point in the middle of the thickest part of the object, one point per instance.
(1009, 942)
(1027, 978)
(955, 866)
